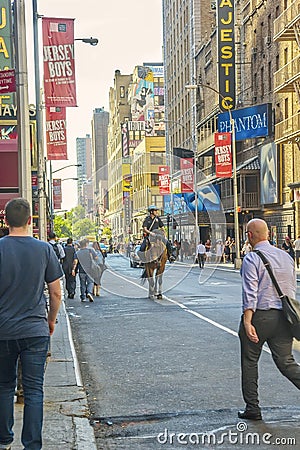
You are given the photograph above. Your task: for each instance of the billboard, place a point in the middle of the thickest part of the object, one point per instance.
(59, 62)
(164, 180)
(268, 174)
(252, 122)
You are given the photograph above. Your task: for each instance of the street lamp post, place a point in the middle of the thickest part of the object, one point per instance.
(234, 174)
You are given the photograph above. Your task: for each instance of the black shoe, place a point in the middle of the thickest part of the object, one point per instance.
(172, 259)
(71, 295)
(249, 415)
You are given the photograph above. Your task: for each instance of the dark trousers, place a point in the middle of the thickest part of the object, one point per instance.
(298, 258)
(70, 283)
(201, 259)
(271, 327)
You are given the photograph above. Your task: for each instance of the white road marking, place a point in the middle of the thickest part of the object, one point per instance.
(194, 313)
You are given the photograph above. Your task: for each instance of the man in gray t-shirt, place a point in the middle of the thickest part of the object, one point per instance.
(26, 264)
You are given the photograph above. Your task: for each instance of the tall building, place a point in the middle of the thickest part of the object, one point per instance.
(100, 122)
(84, 172)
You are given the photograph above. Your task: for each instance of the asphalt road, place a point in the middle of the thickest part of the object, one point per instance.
(166, 373)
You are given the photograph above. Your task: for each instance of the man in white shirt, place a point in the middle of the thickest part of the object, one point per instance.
(201, 254)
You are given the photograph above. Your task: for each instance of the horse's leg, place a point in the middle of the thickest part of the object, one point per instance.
(151, 284)
(159, 277)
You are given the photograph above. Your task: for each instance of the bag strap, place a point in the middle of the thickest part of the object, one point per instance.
(272, 276)
(150, 228)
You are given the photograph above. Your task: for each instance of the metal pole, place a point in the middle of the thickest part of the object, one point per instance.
(39, 128)
(22, 102)
(237, 261)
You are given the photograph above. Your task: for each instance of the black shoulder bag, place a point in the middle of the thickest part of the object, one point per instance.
(290, 306)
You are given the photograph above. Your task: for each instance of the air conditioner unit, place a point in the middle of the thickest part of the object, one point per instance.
(213, 4)
(267, 40)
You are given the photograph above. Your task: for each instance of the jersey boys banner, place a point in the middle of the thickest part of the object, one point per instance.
(223, 156)
(187, 174)
(56, 132)
(164, 180)
(57, 194)
(59, 62)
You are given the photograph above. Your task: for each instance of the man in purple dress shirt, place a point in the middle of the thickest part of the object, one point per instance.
(262, 319)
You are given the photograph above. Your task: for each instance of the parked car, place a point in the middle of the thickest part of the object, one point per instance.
(135, 260)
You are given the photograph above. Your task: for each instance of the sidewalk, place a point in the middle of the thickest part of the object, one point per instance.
(66, 424)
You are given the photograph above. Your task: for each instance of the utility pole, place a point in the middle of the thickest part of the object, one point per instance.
(39, 129)
(22, 103)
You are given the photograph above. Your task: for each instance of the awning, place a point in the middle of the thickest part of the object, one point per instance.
(250, 164)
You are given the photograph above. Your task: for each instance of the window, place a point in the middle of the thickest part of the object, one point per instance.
(154, 179)
(157, 158)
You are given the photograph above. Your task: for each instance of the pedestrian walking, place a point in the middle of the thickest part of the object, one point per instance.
(263, 320)
(83, 262)
(201, 251)
(287, 246)
(297, 250)
(58, 248)
(25, 265)
(67, 268)
(219, 251)
(100, 261)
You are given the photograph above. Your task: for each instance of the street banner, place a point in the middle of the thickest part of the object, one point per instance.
(59, 62)
(56, 133)
(223, 156)
(164, 180)
(57, 194)
(187, 174)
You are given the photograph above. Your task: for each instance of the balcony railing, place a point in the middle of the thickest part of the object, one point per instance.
(285, 77)
(246, 200)
(288, 129)
(283, 25)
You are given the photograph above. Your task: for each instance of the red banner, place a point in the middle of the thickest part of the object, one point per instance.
(223, 156)
(59, 62)
(57, 194)
(56, 132)
(164, 180)
(187, 174)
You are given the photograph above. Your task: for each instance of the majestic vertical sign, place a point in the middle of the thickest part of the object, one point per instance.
(187, 174)
(56, 132)
(59, 62)
(226, 54)
(57, 194)
(223, 157)
(164, 180)
(6, 56)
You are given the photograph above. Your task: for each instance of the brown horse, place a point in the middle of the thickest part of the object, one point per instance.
(156, 257)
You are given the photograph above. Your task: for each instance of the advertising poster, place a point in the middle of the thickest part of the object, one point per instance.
(59, 62)
(187, 174)
(223, 156)
(57, 194)
(56, 133)
(164, 180)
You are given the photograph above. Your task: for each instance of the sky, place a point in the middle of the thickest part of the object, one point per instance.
(129, 33)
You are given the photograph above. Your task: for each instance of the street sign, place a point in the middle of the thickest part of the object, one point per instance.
(7, 81)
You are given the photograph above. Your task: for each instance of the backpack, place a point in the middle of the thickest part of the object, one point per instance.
(56, 249)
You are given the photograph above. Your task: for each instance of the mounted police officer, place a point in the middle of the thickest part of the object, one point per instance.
(151, 223)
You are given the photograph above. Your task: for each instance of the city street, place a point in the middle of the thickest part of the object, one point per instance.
(165, 373)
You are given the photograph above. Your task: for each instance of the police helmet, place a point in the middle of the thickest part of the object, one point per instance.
(152, 208)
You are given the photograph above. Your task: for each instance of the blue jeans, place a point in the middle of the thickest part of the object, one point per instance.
(33, 353)
(86, 285)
